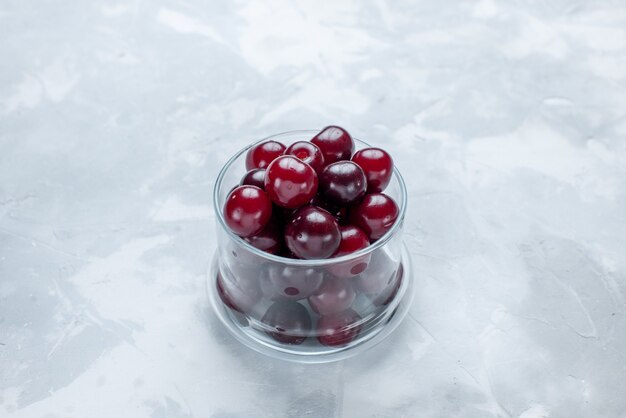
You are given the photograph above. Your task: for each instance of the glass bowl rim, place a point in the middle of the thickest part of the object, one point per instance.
(303, 262)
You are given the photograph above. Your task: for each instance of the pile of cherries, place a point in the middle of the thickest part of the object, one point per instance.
(312, 200)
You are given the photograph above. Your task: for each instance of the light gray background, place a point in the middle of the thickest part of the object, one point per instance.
(506, 118)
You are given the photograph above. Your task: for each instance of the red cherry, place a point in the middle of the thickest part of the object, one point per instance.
(240, 295)
(375, 214)
(342, 182)
(254, 177)
(312, 233)
(377, 166)
(261, 155)
(247, 210)
(352, 240)
(290, 282)
(242, 263)
(288, 322)
(308, 153)
(338, 329)
(332, 297)
(335, 142)
(289, 182)
(270, 239)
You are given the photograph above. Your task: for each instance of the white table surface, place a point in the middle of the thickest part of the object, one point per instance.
(506, 118)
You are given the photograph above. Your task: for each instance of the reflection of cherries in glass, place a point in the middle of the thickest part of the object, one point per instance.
(381, 281)
(390, 293)
(223, 295)
(261, 155)
(338, 329)
(378, 275)
(288, 322)
(241, 295)
(290, 282)
(240, 261)
(333, 296)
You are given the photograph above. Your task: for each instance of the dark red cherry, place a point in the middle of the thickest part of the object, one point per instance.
(247, 210)
(224, 297)
(308, 153)
(270, 239)
(378, 276)
(287, 322)
(261, 155)
(342, 183)
(312, 233)
(289, 182)
(335, 143)
(290, 282)
(238, 294)
(375, 214)
(332, 297)
(377, 166)
(352, 239)
(338, 329)
(254, 177)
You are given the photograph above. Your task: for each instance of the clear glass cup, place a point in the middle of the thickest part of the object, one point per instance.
(308, 310)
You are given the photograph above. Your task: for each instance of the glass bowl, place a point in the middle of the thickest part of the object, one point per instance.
(310, 311)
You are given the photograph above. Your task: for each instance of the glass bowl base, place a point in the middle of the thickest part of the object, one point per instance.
(310, 351)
